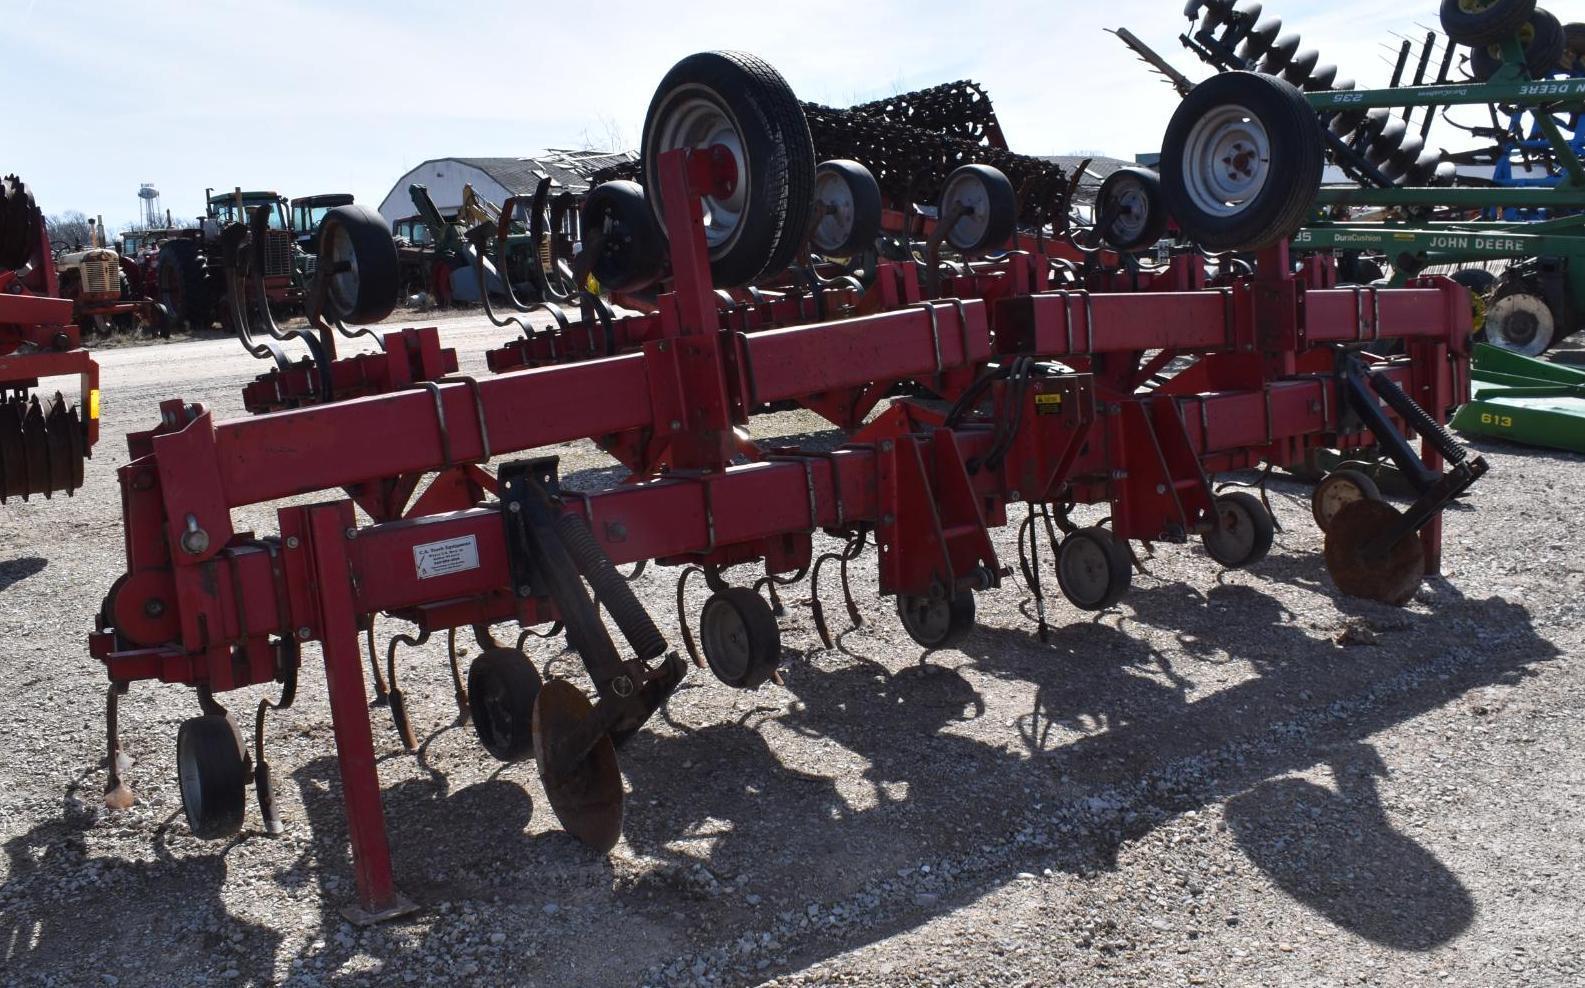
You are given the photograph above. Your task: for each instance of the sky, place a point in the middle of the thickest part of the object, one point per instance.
(306, 97)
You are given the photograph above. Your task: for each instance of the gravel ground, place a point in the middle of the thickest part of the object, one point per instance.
(1232, 778)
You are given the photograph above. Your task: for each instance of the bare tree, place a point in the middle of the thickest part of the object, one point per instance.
(71, 228)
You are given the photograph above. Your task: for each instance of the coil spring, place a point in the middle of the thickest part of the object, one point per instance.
(610, 588)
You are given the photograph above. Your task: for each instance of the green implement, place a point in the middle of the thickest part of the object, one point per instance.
(1525, 400)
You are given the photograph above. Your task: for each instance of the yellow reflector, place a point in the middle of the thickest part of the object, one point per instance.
(93, 403)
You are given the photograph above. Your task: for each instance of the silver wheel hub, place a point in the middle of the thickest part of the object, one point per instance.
(341, 260)
(695, 121)
(1226, 160)
(968, 195)
(834, 206)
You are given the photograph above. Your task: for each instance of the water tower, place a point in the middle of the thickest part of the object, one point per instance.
(151, 205)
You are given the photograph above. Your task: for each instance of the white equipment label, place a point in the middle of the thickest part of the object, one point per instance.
(444, 558)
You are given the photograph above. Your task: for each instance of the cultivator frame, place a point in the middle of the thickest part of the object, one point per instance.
(1029, 393)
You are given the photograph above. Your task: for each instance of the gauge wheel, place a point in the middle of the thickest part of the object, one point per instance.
(1093, 568)
(619, 225)
(1241, 162)
(211, 776)
(739, 102)
(936, 621)
(502, 687)
(357, 257)
(1132, 198)
(847, 209)
(739, 637)
(1242, 531)
(1339, 489)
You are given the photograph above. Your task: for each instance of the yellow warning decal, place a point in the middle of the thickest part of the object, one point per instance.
(1048, 404)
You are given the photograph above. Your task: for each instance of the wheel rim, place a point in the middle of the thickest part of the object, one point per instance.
(1227, 160)
(696, 121)
(1475, 6)
(834, 206)
(341, 257)
(927, 619)
(969, 193)
(1521, 323)
(1085, 570)
(726, 642)
(1335, 495)
(1132, 212)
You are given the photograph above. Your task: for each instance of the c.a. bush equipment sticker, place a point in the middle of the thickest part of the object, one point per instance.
(449, 556)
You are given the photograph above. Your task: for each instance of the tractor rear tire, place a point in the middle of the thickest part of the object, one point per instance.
(1493, 21)
(725, 96)
(183, 289)
(1262, 121)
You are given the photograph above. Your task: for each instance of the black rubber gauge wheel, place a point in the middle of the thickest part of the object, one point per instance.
(739, 637)
(847, 209)
(211, 776)
(357, 255)
(502, 687)
(620, 227)
(936, 621)
(1131, 197)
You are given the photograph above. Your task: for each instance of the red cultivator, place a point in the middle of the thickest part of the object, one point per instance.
(42, 445)
(1009, 382)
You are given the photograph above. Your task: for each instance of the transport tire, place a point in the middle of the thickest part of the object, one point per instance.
(182, 287)
(739, 638)
(211, 776)
(739, 101)
(847, 209)
(502, 687)
(1241, 162)
(1140, 212)
(1481, 22)
(937, 622)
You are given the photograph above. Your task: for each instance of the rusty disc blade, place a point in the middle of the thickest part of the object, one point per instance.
(60, 445)
(36, 443)
(587, 798)
(1392, 577)
(13, 459)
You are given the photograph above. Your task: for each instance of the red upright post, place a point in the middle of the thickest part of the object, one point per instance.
(328, 527)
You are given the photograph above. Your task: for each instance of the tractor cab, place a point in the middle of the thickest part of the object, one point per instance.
(239, 206)
(309, 211)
